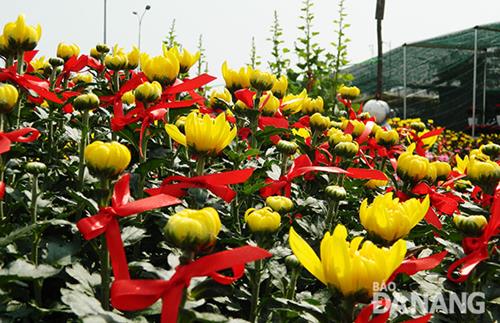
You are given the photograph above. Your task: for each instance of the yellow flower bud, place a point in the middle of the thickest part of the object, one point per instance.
(95, 53)
(220, 99)
(431, 173)
(484, 173)
(319, 122)
(163, 69)
(349, 92)
(269, 104)
(418, 126)
(310, 106)
(235, 80)
(148, 92)
(83, 78)
(102, 48)
(412, 167)
(193, 229)
(240, 106)
(387, 138)
(66, 51)
(107, 159)
(133, 58)
(292, 103)
(264, 220)
(359, 127)
(128, 97)
(41, 65)
(186, 59)
(374, 183)
(87, 101)
(8, 97)
(261, 81)
(346, 149)
(280, 86)
(471, 225)
(491, 149)
(336, 135)
(442, 169)
(389, 219)
(21, 37)
(5, 51)
(116, 61)
(279, 204)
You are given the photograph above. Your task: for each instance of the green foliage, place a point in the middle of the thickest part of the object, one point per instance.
(171, 39)
(254, 58)
(279, 63)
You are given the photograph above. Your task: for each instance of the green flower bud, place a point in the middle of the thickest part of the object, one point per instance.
(335, 192)
(287, 147)
(36, 168)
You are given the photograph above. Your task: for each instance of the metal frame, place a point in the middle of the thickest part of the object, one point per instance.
(475, 49)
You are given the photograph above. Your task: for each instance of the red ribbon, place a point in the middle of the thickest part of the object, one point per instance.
(215, 183)
(419, 140)
(106, 221)
(303, 165)
(367, 311)
(477, 248)
(444, 203)
(74, 64)
(116, 99)
(2, 190)
(20, 135)
(132, 295)
(413, 265)
(29, 82)
(245, 96)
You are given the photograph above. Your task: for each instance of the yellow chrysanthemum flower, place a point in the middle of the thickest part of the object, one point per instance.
(344, 265)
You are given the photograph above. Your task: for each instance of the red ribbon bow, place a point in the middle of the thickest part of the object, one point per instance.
(74, 64)
(29, 82)
(106, 221)
(20, 135)
(132, 295)
(419, 140)
(477, 248)
(116, 99)
(215, 183)
(303, 165)
(445, 203)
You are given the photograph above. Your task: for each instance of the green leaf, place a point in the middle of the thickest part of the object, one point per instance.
(29, 229)
(80, 274)
(60, 252)
(23, 269)
(131, 235)
(85, 306)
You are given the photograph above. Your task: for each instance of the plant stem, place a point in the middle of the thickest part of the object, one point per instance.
(330, 219)
(290, 293)
(284, 164)
(254, 310)
(83, 144)
(2, 166)
(20, 71)
(36, 237)
(104, 257)
(200, 165)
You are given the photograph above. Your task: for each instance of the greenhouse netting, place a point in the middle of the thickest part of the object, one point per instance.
(435, 78)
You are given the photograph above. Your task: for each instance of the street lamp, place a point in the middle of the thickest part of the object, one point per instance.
(139, 19)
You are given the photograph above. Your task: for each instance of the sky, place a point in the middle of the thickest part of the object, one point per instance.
(228, 26)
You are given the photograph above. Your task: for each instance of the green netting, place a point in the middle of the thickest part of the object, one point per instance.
(439, 76)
